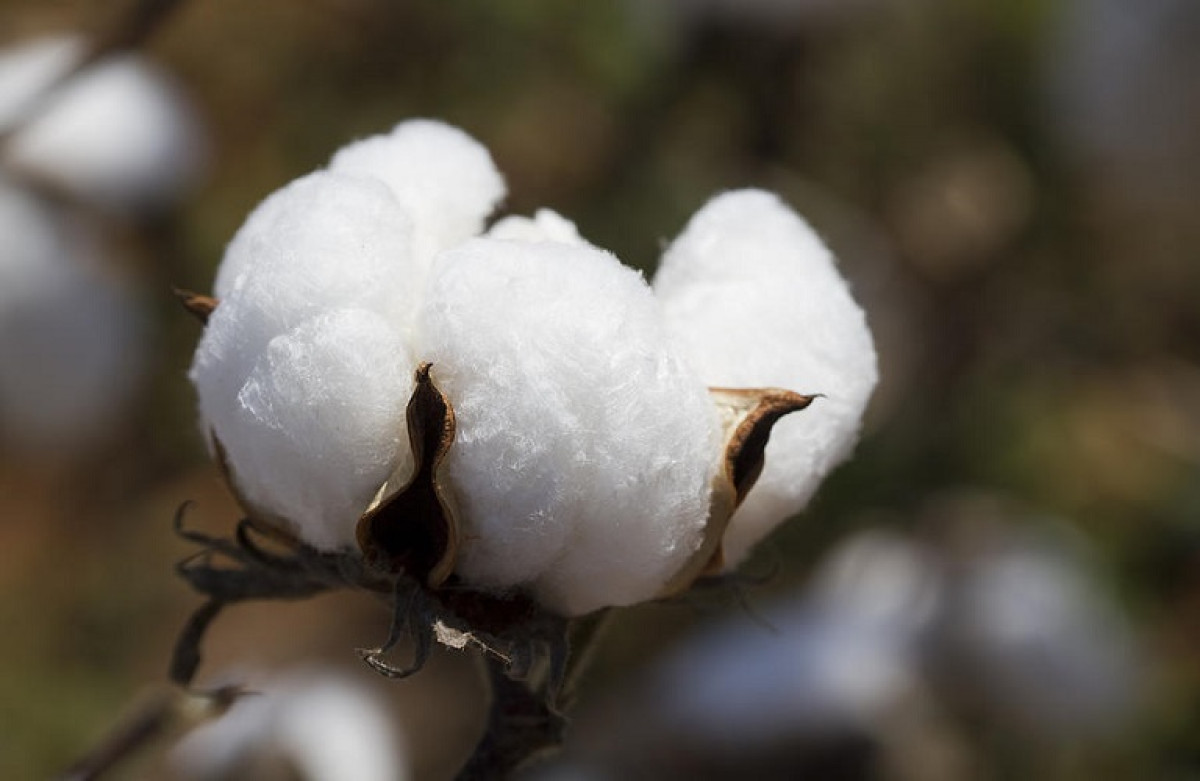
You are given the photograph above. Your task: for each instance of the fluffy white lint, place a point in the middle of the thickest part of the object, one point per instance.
(756, 300)
(585, 445)
(444, 178)
(120, 134)
(71, 336)
(545, 225)
(304, 369)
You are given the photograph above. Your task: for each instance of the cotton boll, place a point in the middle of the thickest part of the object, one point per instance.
(882, 579)
(324, 240)
(1031, 633)
(756, 300)
(120, 134)
(444, 178)
(840, 658)
(585, 447)
(318, 425)
(28, 69)
(815, 676)
(322, 725)
(545, 225)
(71, 336)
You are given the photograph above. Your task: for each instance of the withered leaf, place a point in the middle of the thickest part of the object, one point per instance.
(201, 306)
(415, 529)
(747, 417)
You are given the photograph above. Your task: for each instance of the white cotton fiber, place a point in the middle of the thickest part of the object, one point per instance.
(585, 446)
(120, 134)
(323, 240)
(71, 336)
(318, 425)
(303, 372)
(444, 178)
(545, 225)
(757, 301)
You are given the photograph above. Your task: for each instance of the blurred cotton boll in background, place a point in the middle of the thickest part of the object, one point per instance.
(1028, 639)
(72, 339)
(119, 136)
(876, 664)
(308, 724)
(811, 687)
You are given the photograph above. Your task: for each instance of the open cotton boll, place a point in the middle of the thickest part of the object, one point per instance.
(444, 178)
(545, 225)
(120, 134)
(323, 240)
(319, 425)
(756, 300)
(585, 447)
(71, 337)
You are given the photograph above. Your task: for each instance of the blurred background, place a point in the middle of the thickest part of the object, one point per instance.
(1013, 190)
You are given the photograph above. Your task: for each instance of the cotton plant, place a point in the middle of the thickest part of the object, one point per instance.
(446, 412)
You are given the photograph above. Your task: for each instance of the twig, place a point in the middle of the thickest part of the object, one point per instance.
(167, 715)
(521, 725)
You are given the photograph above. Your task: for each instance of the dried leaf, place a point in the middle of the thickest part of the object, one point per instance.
(416, 529)
(199, 305)
(747, 417)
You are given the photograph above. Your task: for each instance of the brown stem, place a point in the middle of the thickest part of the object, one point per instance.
(520, 726)
(168, 714)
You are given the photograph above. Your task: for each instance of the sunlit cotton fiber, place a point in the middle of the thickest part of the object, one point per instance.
(756, 299)
(304, 371)
(444, 178)
(544, 225)
(586, 446)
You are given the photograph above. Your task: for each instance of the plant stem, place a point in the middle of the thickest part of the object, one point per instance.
(520, 725)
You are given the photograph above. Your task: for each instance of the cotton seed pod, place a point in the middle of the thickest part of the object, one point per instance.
(755, 299)
(120, 135)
